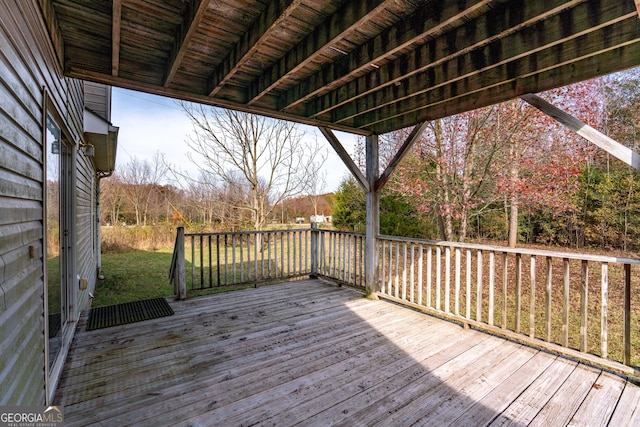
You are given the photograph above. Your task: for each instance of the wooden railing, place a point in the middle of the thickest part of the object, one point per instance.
(340, 257)
(574, 304)
(227, 259)
(578, 305)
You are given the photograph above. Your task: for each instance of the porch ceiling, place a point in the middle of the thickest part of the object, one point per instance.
(362, 66)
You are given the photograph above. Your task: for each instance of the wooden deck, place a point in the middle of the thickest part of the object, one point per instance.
(311, 353)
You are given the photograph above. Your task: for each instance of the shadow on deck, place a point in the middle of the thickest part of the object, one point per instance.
(309, 352)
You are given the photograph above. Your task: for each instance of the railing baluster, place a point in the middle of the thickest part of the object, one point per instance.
(288, 234)
(218, 259)
(268, 255)
(248, 256)
(429, 275)
(295, 253)
(532, 298)
(626, 320)
(210, 269)
(395, 291)
(438, 275)
(420, 283)
(457, 290)
(479, 286)
(282, 254)
(255, 256)
(390, 286)
(335, 255)
(468, 283)
(492, 279)
(241, 247)
(447, 279)
(604, 313)
(547, 299)
(226, 261)
(201, 266)
(505, 289)
(584, 305)
(404, 271)
(193, 262)
(233, 258)
(383, 258)
(518, 291)
(412, 276)
(565, 302)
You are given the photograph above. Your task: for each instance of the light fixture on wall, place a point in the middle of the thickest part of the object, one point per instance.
(87, 149)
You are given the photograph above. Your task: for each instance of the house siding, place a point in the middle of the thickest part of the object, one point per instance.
(28, 63)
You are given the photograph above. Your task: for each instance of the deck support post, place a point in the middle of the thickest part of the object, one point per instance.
(373, 218)
(180, 275)
(314, 251)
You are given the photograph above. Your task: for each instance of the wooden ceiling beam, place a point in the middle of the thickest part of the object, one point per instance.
(414, 30)
(190, 23)
(470, 94)
(345, 20)
(115, 37)
(509, 21)
(506, 55)
(252, 41)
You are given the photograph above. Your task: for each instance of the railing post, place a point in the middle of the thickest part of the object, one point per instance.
(180, 277)
(314, 251)
(373, 219)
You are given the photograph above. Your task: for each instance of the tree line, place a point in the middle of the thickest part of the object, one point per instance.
(510, 173)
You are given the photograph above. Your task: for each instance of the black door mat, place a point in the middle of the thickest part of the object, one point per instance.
(128, 312)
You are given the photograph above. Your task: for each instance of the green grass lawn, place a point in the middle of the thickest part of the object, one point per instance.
(132, 276)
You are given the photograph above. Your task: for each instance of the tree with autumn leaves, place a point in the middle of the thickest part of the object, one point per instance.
(509, 172)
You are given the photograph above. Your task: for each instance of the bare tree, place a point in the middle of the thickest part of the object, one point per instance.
(140, 179)
(317, 181)
(261, 161)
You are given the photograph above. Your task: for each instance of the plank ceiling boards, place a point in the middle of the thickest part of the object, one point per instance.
(368, 66)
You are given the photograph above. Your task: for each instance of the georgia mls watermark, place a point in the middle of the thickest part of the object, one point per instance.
(31, 416)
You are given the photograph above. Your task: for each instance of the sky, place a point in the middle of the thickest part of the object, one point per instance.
(150, 123)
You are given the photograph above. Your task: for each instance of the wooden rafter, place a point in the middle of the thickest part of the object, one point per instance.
(610, 145)
(532, 59)
(414, 30)
(115, 37)
(345, 157)
(453, 99)
(188, 27)
(252, 41)
(417, 131)
(432, 64)
(344, 21)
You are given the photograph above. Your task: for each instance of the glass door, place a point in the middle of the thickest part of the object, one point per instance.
(58, 222)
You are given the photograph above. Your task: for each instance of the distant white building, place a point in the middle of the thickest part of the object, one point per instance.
(319, 219)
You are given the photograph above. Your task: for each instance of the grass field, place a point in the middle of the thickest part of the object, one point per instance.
(133, 275)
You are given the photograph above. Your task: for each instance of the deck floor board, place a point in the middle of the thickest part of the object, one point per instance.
(311, 353)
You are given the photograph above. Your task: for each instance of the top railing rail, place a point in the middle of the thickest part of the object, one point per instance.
(523, 251)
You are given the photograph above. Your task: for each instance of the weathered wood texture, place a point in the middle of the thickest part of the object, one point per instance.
(311, 353)
(365, 66)
(573, 318)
